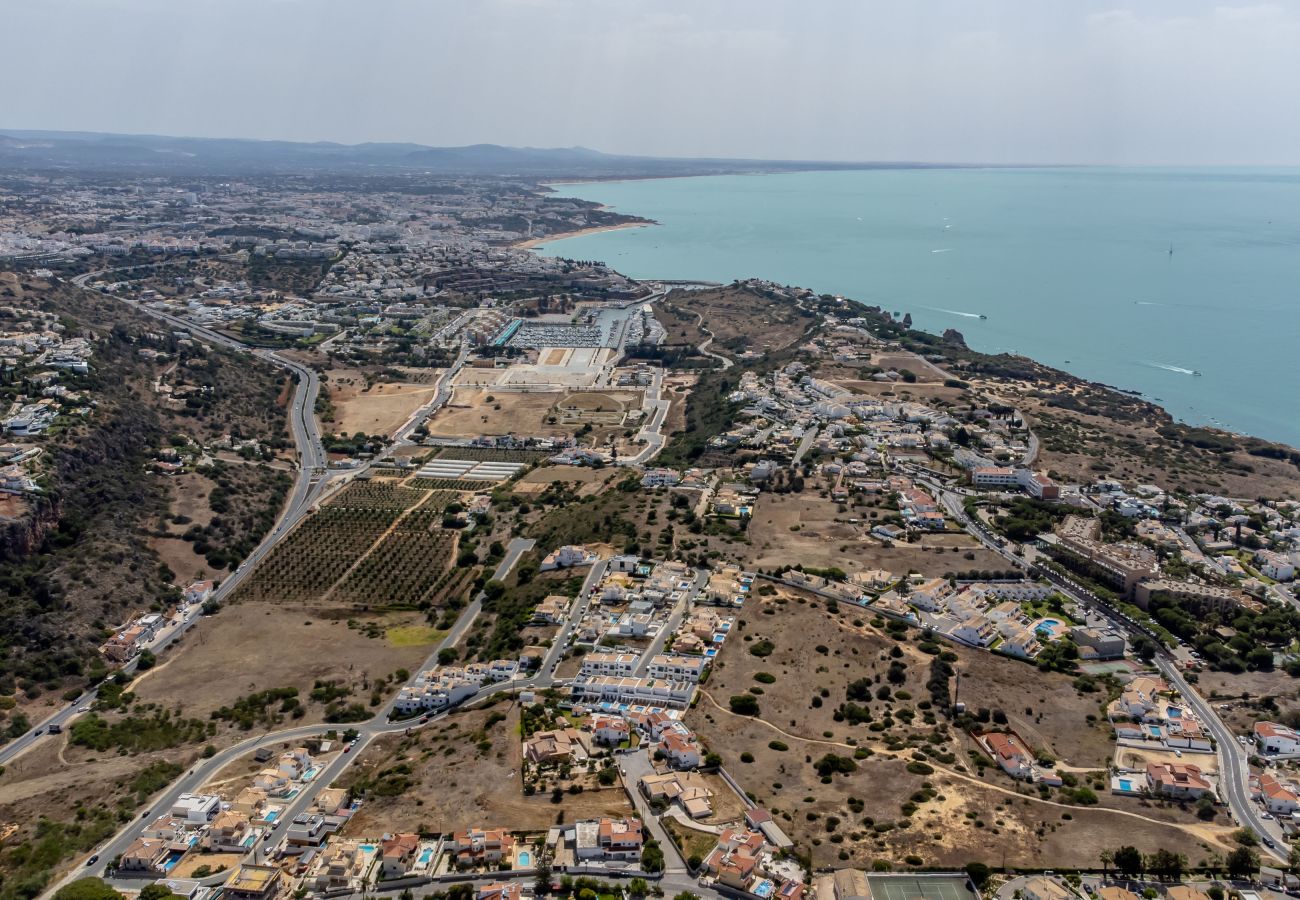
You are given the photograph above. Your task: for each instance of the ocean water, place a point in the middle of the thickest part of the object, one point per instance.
(1071, 266)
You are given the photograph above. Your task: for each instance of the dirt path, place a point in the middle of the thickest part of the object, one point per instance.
(1213, 834)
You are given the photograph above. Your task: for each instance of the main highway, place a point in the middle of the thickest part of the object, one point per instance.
(310, 485)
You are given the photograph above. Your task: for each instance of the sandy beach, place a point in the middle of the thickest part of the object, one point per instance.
(561, 235)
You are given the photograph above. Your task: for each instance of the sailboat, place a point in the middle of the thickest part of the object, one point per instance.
(1171, 249)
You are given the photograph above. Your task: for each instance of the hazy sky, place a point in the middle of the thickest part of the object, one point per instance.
(1164, 81)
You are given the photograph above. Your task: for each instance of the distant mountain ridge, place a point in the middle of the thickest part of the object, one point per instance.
(25, 149)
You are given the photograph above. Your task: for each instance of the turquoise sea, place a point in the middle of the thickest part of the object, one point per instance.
(1071, 266)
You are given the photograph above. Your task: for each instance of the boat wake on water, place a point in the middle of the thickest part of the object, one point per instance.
(957, 312)
(942, 250)
(1168, 368)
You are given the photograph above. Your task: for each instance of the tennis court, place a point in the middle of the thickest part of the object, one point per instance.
(918, 887)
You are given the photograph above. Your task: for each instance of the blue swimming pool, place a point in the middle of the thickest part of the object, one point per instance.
(1125, 784)
(1175, 712)
(525, 858)
(764, 889)
(270, 817)
(1155, 729)
(368, 848)
(426, 855)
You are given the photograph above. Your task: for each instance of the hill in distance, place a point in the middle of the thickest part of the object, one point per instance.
(92, 151)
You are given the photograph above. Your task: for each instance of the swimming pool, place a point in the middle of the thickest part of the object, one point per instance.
(1125, 784)
(1155, 729)
(368, 848)
(426, 855)
(270, 817)
(524, 858)
(1175, 712)
(764, 889)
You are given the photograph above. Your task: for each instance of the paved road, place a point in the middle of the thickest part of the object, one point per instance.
(805, 444)
(440, 398)
(671, 624)
(1234, 763)
(367, 731)
(579, 609)
(632, 767)
(652, 429)
(1234, 770)
(311, 483)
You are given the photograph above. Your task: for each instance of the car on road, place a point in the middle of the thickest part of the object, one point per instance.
(94, 859)
(347, 748)
(1268, 842)
(39, 731)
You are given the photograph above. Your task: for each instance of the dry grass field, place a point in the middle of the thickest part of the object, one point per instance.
(470, 413)
(586, 481)
(478, 751)
(892, 804)
(249, 647)
(820, 540)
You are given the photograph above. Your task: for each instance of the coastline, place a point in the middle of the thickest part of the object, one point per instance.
(1181, 408)
(532, 243)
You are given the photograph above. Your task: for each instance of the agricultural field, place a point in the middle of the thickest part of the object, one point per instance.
(316, 554)
(490, 454)
(376, 494)
(376, 544)
(447, 484)
(404, 569)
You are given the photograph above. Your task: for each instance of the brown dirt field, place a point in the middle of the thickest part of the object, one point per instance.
(382, 409)
(472, 415)
(215, 861)
(766, 323)
(820, 539)
(12, 506)
(1243, 715)
(964, 811)
(676, 389)
(488, 790)
(1079, 446)
(190, 497)
(252, 646)
(179, 556)
(1058, 723)
(189, 492)
(587, 481)
(923, 369)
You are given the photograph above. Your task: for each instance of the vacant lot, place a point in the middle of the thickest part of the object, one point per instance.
(910, 788)
(405, 780)
(585, 481)
(1271, 696)
(472, 413)
(738, 317)
(803, 528)
(251, 647)
(379, 409)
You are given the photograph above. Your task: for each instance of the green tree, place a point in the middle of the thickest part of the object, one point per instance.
(1242, 861)
(155, 892)
(88, 889)
(978, 873)
(1166, 865)
(1128, 860)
